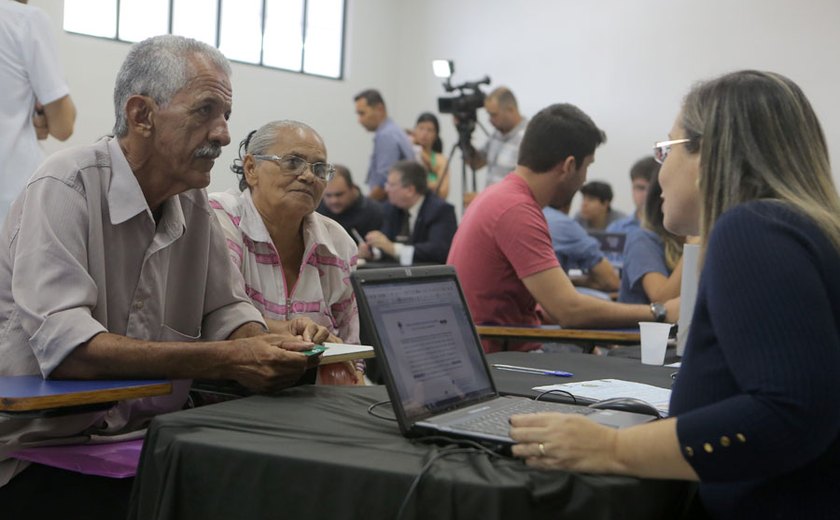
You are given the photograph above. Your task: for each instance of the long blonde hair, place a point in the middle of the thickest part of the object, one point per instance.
(652, 219)
(759, 138)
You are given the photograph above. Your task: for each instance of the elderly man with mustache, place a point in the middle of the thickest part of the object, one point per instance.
(113, 266)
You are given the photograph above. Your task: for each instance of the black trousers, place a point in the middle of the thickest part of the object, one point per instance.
(51, 493)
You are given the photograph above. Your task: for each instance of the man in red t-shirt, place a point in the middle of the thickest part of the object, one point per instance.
(502, 250)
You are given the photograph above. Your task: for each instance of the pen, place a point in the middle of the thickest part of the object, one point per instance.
(529, 370)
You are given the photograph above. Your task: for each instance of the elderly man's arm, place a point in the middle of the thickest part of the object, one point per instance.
(262, 363)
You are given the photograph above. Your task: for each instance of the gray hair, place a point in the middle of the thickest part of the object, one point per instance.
(159, 67)
(260, 140)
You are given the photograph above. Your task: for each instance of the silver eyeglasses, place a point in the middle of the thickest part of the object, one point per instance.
(663, 148)
(294, 165)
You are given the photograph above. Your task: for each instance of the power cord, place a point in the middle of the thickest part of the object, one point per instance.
(472, 447)
(383, 417)
(557, 391)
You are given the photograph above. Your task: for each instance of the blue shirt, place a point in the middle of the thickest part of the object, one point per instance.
(644, 253)
(574, 248)
(624, 225)
(390, 144)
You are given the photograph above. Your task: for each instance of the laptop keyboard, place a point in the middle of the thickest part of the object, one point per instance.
(496, 422)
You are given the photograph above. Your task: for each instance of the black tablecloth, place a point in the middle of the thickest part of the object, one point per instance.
(585, 367)
(315, 452)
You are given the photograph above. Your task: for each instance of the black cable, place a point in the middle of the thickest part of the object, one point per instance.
(380, 403)
(468, 442)
(558, 391)
(445, 452)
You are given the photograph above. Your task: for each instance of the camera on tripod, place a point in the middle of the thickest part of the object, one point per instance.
(470, 98)
(467, 102)
(464, 107)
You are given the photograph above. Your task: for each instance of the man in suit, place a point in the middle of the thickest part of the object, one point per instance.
(418, 226)
(344, 203)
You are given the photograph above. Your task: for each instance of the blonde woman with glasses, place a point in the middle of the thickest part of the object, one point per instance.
(754, 417)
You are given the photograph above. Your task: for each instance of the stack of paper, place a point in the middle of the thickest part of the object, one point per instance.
(601, 389)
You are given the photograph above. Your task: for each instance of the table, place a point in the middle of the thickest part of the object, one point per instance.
(32, 393)
(557, 333)
(584, 367)
(315, 452)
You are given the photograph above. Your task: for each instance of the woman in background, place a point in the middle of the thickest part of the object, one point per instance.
(754, 414)
(652, 268)
(294, 261)
(426, 136)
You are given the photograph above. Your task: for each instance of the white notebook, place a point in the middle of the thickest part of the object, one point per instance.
(338, 352)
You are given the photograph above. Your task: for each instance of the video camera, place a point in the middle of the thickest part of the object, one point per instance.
(467, 102)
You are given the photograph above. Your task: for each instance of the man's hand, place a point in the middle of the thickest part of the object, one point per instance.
(39, 121)
(378, 239)
(377, 193)
(269, 363)
(469, 197)
(365, 251)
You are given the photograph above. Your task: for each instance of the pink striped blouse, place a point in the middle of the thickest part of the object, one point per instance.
(322, 292)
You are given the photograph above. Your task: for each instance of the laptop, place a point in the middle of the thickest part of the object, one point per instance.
(612, 245)
(431, 358)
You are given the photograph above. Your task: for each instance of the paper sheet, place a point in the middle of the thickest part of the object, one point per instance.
(601, 389)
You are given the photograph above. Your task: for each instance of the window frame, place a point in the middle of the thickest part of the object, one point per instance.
(261, 63)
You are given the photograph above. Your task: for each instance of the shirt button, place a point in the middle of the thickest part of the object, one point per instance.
(689, 451)
(708, 447)
(740, 437)
(725, 442)
(138, 305)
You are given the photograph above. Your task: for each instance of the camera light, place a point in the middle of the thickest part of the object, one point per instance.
(443, 68)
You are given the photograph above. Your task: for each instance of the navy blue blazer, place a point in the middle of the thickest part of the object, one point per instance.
(433, 231)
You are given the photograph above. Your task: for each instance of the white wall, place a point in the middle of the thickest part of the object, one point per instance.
(259, 94)
(627, 63)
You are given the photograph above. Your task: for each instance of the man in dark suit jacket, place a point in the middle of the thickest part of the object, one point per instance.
(417, 226)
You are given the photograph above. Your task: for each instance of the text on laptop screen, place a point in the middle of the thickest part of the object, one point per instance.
(429, 341)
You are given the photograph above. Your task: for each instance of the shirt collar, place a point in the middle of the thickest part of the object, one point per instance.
(252, 225)
(126, 199)
(415, 209)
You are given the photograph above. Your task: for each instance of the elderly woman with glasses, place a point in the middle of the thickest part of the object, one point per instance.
(754, 414)
(294, 262)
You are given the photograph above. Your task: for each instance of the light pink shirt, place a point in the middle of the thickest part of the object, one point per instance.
(322, 292)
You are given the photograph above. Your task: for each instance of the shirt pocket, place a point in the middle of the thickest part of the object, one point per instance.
(168, 333)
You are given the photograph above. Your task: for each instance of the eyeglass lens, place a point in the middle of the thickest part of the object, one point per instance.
(661, 152)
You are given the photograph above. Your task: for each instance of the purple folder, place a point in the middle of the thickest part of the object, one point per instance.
(115, 459)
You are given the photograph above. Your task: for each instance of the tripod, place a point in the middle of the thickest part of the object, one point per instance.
(465, 127)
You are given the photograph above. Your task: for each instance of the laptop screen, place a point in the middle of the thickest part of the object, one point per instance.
(610, 242)
(428, 340)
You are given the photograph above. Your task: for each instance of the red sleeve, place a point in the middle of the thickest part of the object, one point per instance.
(522, 236)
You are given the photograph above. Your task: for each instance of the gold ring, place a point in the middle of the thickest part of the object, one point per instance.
(541, 446)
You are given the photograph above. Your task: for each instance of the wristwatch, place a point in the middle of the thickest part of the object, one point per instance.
(658, 311)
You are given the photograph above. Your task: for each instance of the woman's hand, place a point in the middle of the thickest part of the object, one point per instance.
(565, 441)
(304, 330)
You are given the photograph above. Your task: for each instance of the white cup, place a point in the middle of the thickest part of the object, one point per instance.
(654, 341)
